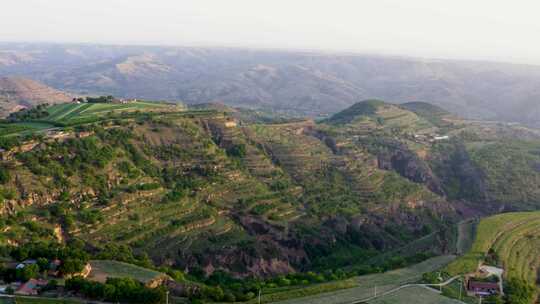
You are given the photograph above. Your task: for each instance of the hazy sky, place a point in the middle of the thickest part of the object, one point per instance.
(476, 29)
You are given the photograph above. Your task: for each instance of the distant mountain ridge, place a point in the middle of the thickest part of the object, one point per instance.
(18, 93)
(298, 83)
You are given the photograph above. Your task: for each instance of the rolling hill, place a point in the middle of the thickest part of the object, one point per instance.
(17, 93)
(376, 187)
(300, 83)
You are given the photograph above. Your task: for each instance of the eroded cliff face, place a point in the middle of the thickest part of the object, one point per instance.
(460, 177)
(410, 166)
(210, 193)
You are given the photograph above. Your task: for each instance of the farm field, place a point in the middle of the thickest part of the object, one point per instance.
(514, 238)
(281, 294)
(416, 295)
(71, 113)
(21, 128)
(382, 281)
(500, 232)
(102, 269)
(466, 233)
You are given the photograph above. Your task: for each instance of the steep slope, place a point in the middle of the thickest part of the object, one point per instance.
(201, 191)
(477, 162)
(196, 189)
(18, 93)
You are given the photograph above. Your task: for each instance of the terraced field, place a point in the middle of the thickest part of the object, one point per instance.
(514, 237)
(395, 117)
(285, 186)
(145, 222)
(148, 223)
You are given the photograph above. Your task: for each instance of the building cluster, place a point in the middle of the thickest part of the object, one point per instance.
(79, 100)
(430, 138)
(31, 286)
(36, 284)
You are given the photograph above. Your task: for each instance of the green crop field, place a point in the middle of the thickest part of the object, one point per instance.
(414, 294)
(102, 269)
(514, 238)
(382, 281)
(497, 232)
(72, 113)
(466, 234)
(19, 128)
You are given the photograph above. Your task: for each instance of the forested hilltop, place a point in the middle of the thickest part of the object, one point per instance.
(217, 196)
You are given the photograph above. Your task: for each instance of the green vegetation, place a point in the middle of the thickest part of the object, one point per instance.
(511, 170)
(519, 291)
(363, 108)
(116, 290)
(143, 183)
(414, 294)
(73, 259)
(466, 235)
(511, 241)
(431, 113)
(300, 292)
(44, 117)
(103, 269)
(73, 114)
(383, 281)
(37, 112)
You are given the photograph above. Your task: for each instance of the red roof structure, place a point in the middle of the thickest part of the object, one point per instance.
(30, 288)
(483, 288)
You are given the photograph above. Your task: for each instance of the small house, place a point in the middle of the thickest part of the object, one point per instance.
(30, 288)
(483, 288)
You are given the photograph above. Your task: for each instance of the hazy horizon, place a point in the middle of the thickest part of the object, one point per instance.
(483, 30)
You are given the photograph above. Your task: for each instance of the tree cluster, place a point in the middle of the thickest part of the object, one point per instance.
(100, 99)
(116, 290)
(37, 112)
